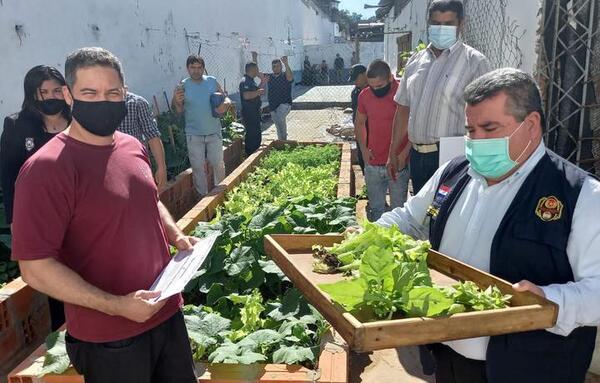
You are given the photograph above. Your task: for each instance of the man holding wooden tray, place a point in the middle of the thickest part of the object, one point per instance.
(517, 210)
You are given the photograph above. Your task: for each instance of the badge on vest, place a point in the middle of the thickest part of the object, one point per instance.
(549, 209)
(29, 144)
(438, 200)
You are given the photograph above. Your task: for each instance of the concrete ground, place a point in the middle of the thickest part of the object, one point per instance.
(309, 125)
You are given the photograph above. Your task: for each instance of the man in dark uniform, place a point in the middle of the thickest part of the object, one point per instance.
(358, 75)
(250, 93)
(517, 210)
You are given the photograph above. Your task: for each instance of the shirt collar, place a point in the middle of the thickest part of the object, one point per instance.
(523, 171)
(456, 47)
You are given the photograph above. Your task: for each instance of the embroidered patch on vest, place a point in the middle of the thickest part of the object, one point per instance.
(549, 209)
(29, 144)
(438, 200)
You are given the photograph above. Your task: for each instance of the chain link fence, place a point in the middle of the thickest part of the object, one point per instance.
(490, 31)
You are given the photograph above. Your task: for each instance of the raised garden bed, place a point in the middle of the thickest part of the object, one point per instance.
(24, 323)
(180, 195)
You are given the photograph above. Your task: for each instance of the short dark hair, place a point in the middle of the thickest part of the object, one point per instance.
(455, 6)
(89, 57)
(523, 94)
(250, 65)
(194, 59)
(276, 61)
(34, 79)
(379, 69)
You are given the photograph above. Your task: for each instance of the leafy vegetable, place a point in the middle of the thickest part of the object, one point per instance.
(394, 278)
(56, 360)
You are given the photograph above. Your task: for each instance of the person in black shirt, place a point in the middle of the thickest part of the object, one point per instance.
(338, 65)
(307, 73)
(280, 94)
(358, 75)
(250, 94)
(44, 113)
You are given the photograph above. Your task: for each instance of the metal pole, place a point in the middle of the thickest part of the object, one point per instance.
(551, 56)
(591, 4)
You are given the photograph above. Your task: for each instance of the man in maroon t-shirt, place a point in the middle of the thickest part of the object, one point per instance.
(376, 104)
(89, 230)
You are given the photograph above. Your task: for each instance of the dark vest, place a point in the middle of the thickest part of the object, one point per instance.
(530, 243)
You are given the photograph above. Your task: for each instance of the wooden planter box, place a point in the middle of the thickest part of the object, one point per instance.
(293, 255)
(332, 368)
(24, 323)
(180, 195)
(206, 209)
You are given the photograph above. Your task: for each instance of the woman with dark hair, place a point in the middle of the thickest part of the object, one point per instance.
(44, 114)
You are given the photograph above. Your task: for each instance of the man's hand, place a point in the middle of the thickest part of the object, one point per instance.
(185, 242)
(179, 95)
(263, 78)
(284, 60)
(137, 306)
(525, 285)
(260, 91)
(392, 167)
(367, 156)
(161, 178)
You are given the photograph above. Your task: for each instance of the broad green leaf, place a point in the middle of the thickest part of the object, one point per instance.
(239, 261)
(427, 301)
(348, 293)
(294, 354)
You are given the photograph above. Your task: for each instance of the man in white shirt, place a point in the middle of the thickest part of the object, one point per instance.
(517, 210)
(430, 103)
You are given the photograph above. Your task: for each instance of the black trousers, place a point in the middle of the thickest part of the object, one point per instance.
(57, 313)
(160, 355)
(253, 137)
(451, 367)
(421, 167)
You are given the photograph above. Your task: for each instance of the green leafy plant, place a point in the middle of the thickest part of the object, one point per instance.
(393, 279)
(406, 55)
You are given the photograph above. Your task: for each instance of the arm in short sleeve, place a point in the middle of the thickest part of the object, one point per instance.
(43, 207)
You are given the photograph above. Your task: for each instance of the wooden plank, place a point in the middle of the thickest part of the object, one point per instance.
(527, 312)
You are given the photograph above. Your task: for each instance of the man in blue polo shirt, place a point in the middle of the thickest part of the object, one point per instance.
(202, 129)
(279, 93)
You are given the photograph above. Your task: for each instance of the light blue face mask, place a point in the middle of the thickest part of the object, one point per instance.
(490, 157)
(442, 36)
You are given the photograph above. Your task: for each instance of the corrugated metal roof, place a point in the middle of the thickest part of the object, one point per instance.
(387, 5)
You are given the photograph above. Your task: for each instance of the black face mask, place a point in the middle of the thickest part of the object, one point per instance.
(51, 107)
(100, 118)
(382, 92)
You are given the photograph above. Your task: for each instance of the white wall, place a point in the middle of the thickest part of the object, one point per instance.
(149, 37)
(369, 51)
(413, 18)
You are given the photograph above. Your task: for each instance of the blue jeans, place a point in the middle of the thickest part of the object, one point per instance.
(422, 166)
(378, 183)
(279, 116)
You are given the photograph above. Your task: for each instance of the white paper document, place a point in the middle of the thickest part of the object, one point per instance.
(182, 268)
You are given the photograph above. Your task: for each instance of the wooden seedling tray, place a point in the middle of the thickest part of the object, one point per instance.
(293, 255)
